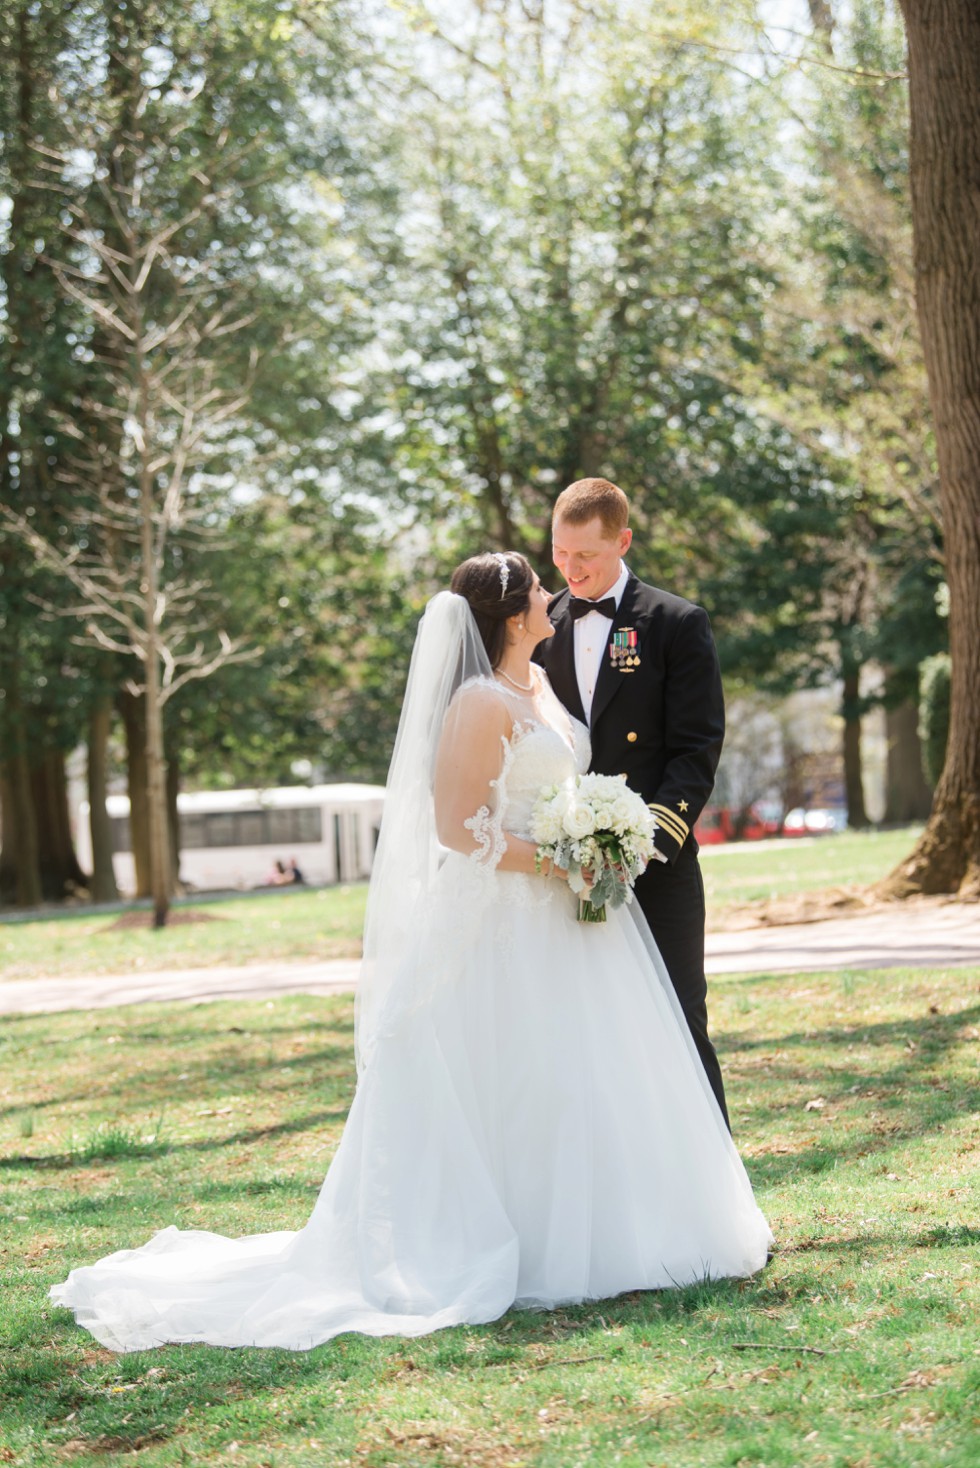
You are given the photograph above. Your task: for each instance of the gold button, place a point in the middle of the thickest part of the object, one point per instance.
(631, 737)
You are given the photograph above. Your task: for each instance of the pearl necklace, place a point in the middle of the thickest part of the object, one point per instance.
(524, 687)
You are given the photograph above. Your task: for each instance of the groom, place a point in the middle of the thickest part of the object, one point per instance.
(639, 667)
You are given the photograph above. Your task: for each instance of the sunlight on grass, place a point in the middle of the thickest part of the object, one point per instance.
(853, 1099)
(745, 873)
(318, 924)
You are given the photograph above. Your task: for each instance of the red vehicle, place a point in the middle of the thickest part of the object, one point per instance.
(718, 823)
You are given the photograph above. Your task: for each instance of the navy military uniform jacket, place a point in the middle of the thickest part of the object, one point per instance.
(660, 721)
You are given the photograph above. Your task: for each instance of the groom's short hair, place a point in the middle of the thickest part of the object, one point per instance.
(588, 498)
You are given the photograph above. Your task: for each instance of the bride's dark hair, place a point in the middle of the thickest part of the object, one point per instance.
(497, 585)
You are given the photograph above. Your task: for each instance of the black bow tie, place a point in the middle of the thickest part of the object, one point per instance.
(578, 607)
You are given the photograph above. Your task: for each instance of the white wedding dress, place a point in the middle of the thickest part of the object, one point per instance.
(531, 1125)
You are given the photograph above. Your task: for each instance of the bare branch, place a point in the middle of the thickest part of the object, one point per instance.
(231, 651)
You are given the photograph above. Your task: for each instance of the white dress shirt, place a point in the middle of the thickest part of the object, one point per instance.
(591, 641)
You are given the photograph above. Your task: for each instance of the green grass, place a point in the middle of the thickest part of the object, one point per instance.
(853, 1099)
(323, 923)
(328, 923)
(735, 875)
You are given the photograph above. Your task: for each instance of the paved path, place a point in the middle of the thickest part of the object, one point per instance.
(930, 935)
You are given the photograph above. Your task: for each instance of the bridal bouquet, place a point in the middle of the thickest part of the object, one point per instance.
(594, 826)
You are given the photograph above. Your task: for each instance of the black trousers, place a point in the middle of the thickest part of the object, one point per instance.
(672, 899)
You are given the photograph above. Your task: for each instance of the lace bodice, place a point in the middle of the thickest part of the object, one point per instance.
(500, 750)
(537, 755)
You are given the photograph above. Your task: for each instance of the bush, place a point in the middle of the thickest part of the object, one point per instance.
(934, 678)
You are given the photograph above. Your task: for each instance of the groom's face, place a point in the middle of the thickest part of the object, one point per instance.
(587, 556)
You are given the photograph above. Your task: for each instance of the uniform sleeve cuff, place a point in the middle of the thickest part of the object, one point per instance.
(672, 829)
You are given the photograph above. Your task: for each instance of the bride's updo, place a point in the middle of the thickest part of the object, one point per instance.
(497, 585)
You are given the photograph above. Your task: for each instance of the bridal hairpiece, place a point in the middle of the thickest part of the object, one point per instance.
(501, 560)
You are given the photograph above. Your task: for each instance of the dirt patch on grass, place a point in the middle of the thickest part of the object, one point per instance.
(177, 917)
(816, 907)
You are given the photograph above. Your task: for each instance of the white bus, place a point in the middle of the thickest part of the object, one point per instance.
(233, 838)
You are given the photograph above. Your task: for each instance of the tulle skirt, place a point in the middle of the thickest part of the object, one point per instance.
(535, 1130)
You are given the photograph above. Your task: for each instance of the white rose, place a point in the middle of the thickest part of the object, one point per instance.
(622, 816)
(578, 819)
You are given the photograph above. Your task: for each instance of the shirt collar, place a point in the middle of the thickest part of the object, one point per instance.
(621, 580)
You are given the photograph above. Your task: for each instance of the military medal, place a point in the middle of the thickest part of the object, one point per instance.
(624, 650)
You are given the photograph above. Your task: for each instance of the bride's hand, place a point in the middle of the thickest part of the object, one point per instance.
(587, 878)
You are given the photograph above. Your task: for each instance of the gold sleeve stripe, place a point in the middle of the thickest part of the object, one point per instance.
(671, 823)
(671, 830)
(677, 836)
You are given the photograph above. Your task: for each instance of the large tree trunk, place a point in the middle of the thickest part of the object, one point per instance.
(103, 884)
(907, 793)
(131, 706)
(20, 876)
(60, 873)
(944, 93)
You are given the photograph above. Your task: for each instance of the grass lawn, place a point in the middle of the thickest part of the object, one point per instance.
(327, 923)
(324, 922)
(853, 1100)
(751, 872)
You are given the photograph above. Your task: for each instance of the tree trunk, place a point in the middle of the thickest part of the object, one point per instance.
(20, 872)
(132, 707)
(156, 780)
(857, 815)
(103, 884)
(173, 819)
(907, 794)
(944, 94)
(61, 875)
(20, 876)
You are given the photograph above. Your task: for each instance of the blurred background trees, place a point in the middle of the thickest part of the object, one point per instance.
(431, 262)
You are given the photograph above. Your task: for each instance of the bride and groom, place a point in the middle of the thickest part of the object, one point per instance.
(539, 1115)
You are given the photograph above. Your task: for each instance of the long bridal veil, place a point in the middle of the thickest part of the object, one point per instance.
(448, 653)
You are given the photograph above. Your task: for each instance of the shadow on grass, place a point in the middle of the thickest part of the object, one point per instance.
(209, 1078)
(920, 1093)
(308, 1122)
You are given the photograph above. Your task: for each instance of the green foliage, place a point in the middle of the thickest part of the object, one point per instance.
(934, 714)
(324, 596)
(480, 251)
(581, 274)
(836, 562)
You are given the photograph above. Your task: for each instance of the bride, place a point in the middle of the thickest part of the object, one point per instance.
(531, 1124)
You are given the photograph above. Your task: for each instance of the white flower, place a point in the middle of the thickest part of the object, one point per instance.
(591, 824)
(579, 819)
(545, 825)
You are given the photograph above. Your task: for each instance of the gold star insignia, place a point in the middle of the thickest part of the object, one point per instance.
(682, 805)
